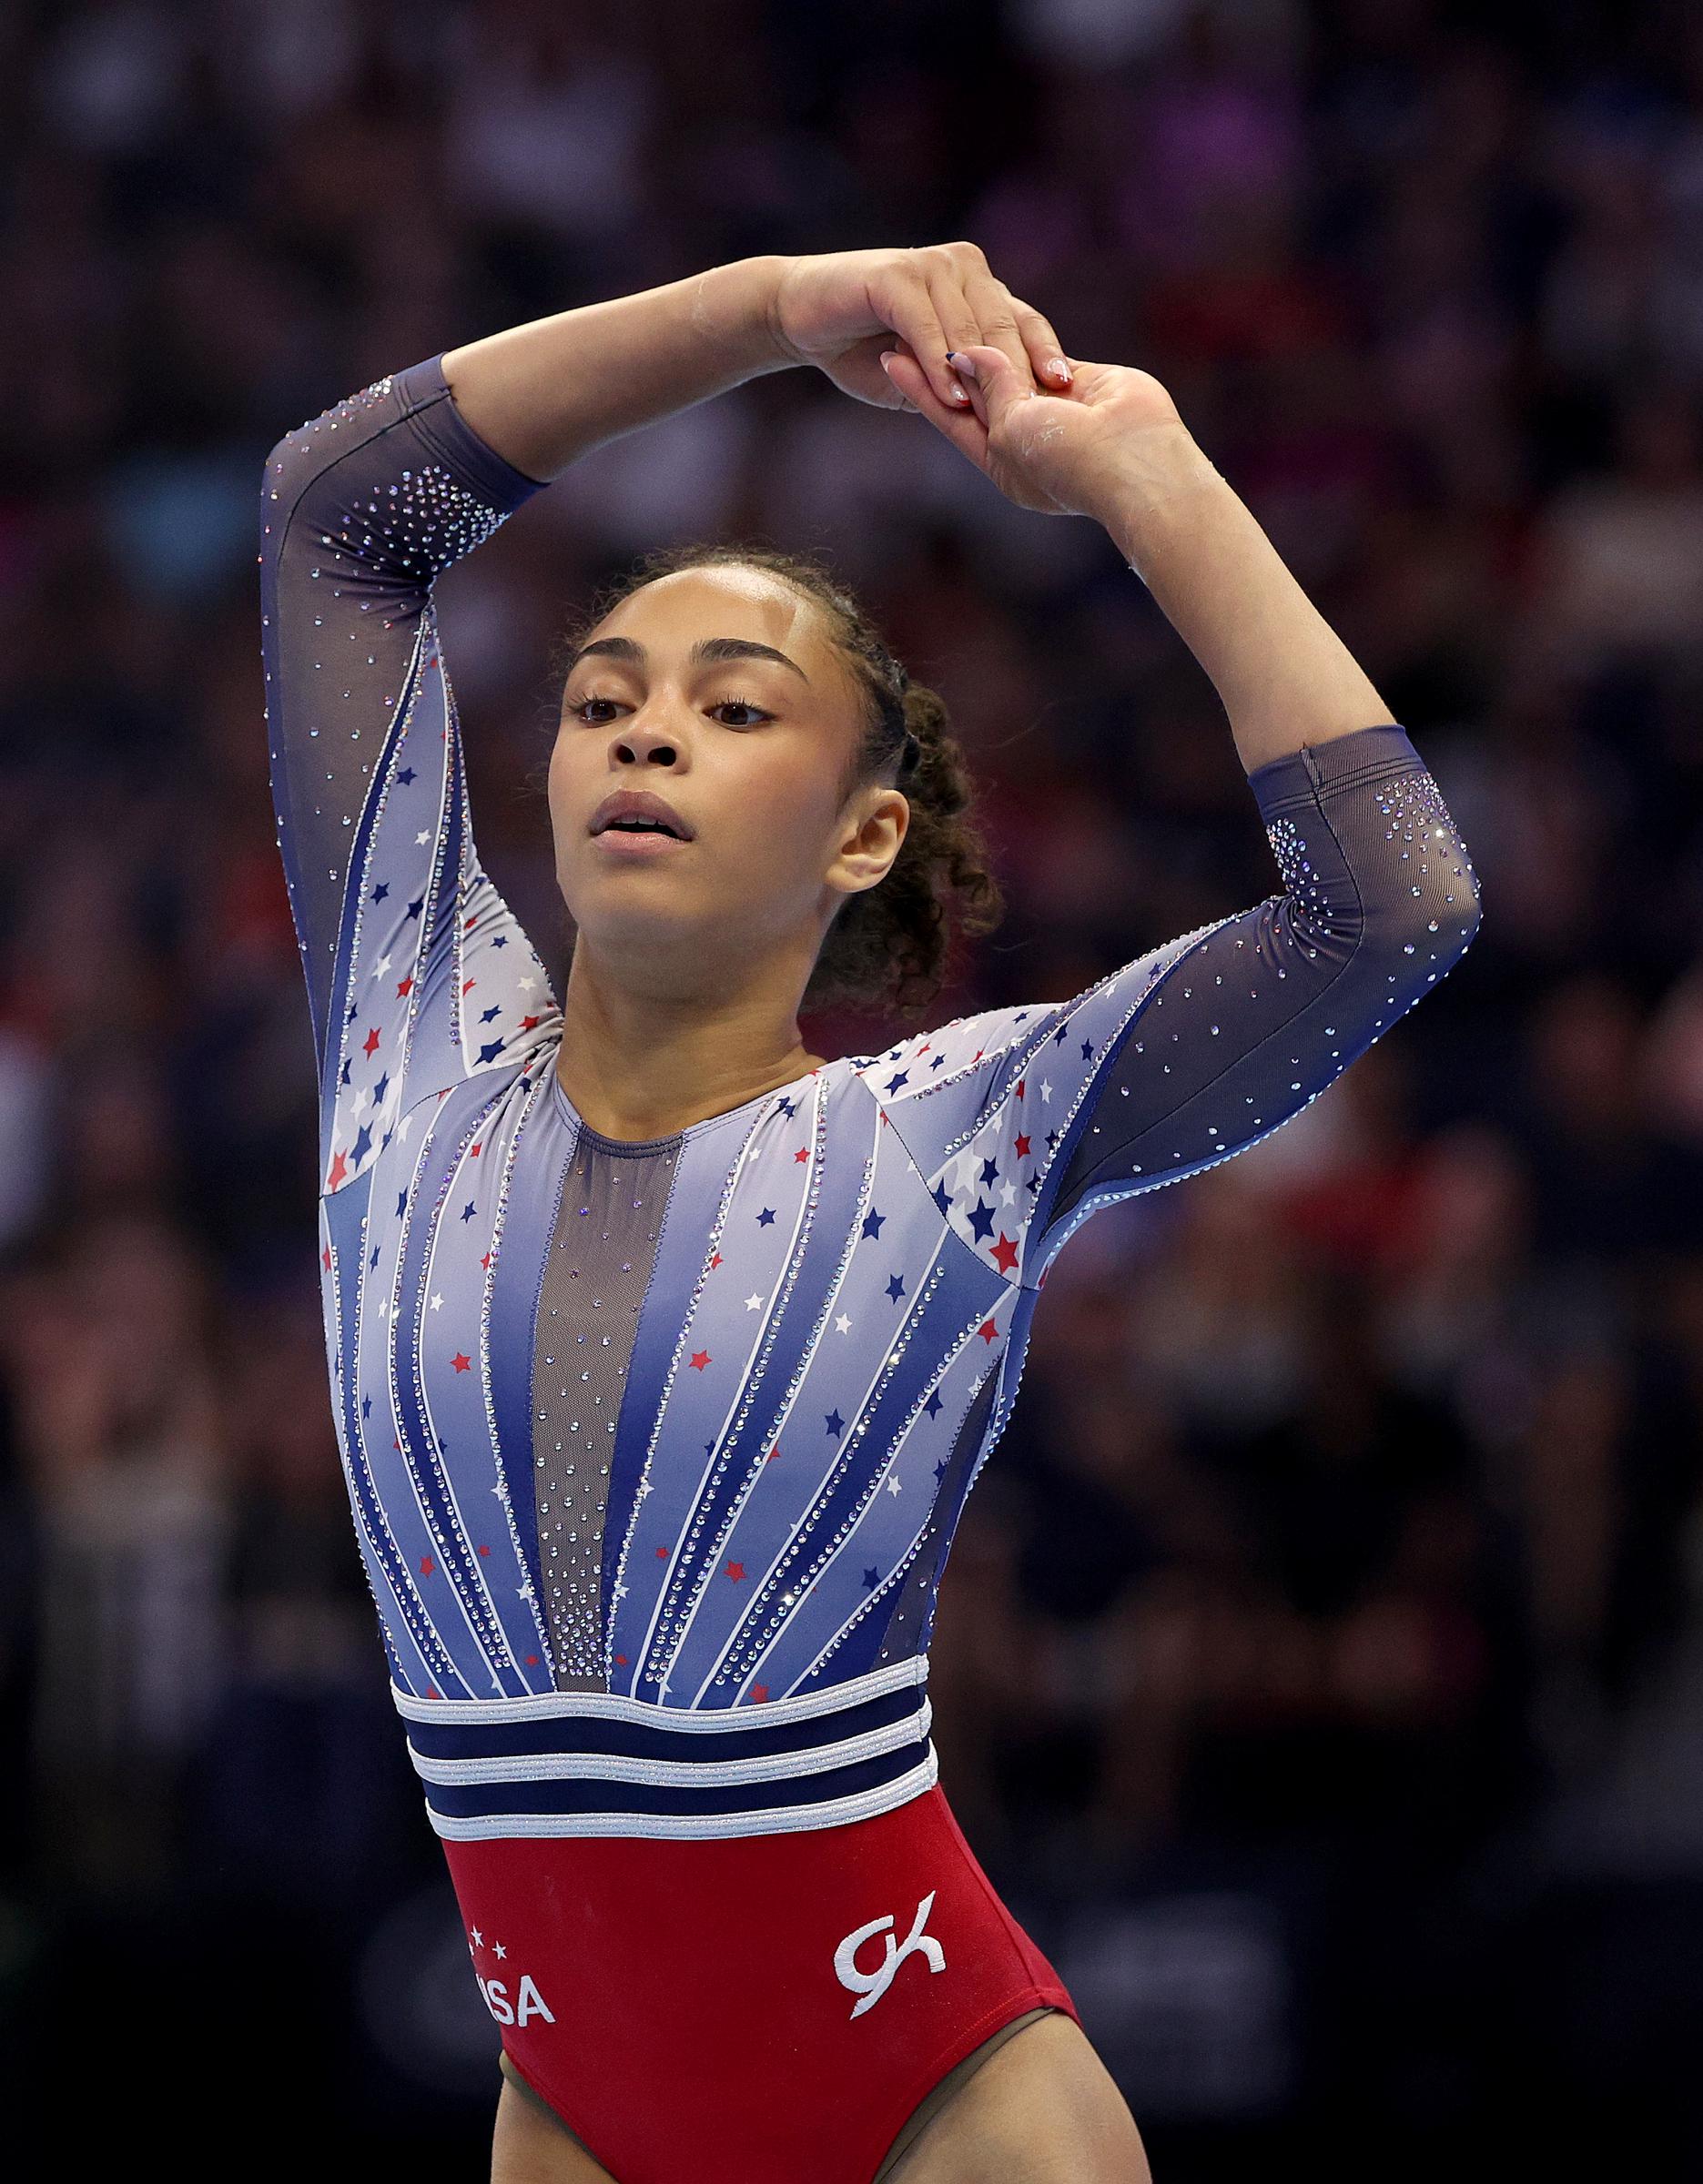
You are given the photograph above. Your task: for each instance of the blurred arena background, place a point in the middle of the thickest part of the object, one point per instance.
(1319, 1669)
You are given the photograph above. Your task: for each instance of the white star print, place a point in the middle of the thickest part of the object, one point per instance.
(1009, 1193)
(754, 1302)
(843, 1324)
(384, 1308)
(526, 983)
(1046, 1091)
(644, 1488)
(423, 836)
(379, 969)
(499, 1948)
(620, 1591)
(892, 1484)
(437, 1303)
(479, 1939)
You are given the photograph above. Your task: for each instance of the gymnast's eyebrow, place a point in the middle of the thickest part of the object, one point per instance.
(705, 650)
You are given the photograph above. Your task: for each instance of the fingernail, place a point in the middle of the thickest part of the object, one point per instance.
(1057, 368)
(962, 363)
(888, 356)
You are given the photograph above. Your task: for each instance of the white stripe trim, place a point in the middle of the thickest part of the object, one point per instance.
(783, 1820)
(743, 1644)
(613, 1706)
(895, 1449)
(670, 1589)
(606, 1766)
(778, 1422)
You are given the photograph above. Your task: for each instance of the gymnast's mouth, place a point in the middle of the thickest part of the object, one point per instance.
(639, 811)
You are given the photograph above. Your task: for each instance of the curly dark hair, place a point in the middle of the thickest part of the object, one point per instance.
(888, 946)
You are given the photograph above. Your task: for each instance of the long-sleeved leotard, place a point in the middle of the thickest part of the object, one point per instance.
(655, 1450)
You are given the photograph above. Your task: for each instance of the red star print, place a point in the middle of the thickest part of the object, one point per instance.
(988, 1330)
(371, 1046)
(460, 1360)
(485, 1261)
(759, 1692)
(1005, 1253)
(339, 1168)
(802, 1154)
(484, 1551)
(407, 986)
(474, 1154)
(978, 1052)
(1022, 1148)
(700, 1359)
(471, 922)
(468, 985)
(621, 1659)
(431, 1691)
(715, 1262)
(1020, 1083)
(735, 1571)
(532, 1660)
(660, 1552)
(773, 1453)
(325, 1256)
(426, 1565)
(527, 1022)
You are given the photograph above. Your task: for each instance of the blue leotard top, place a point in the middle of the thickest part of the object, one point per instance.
(656, 1449)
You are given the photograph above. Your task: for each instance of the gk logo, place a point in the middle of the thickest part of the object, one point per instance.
(872, 1986)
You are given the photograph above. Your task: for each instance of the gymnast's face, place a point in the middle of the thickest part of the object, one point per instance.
(720, 691)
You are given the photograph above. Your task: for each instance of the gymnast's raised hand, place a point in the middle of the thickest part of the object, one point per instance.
(937, 331)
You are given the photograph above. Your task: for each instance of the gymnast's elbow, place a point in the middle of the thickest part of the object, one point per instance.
(1416, 936)
(291, 465)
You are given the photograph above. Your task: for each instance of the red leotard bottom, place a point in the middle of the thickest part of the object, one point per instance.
(700, 2012)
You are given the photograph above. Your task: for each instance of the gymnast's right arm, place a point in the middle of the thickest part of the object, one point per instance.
(417, 974)
(360, 510)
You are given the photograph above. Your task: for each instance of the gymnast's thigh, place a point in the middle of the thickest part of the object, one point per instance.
(531, 2146)
(1042, 2110)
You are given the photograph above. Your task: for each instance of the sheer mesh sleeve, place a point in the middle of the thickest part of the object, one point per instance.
(418, 972)
(1024, 1121)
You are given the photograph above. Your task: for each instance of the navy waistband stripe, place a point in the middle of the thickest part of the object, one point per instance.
(489, 1799)
(750, 1739)
(601, 1763)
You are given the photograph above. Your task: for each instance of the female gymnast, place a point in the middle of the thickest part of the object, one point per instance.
(655, 1514)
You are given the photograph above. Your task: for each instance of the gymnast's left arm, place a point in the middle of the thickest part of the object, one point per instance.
(1188, 1054)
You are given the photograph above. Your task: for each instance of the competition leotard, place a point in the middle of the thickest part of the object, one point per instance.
(656, 1449)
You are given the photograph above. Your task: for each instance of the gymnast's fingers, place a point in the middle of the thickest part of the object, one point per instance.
(962, 427)
(906, 299)
(1047, 359)
(1015, 329)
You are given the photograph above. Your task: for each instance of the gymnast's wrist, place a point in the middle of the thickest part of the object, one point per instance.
(751, 286)
(1160, 477)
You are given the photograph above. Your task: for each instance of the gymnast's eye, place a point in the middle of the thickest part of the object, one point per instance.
(740, 705)
(584, 711)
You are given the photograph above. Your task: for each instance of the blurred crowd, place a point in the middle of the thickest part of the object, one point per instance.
(1319, 1670)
